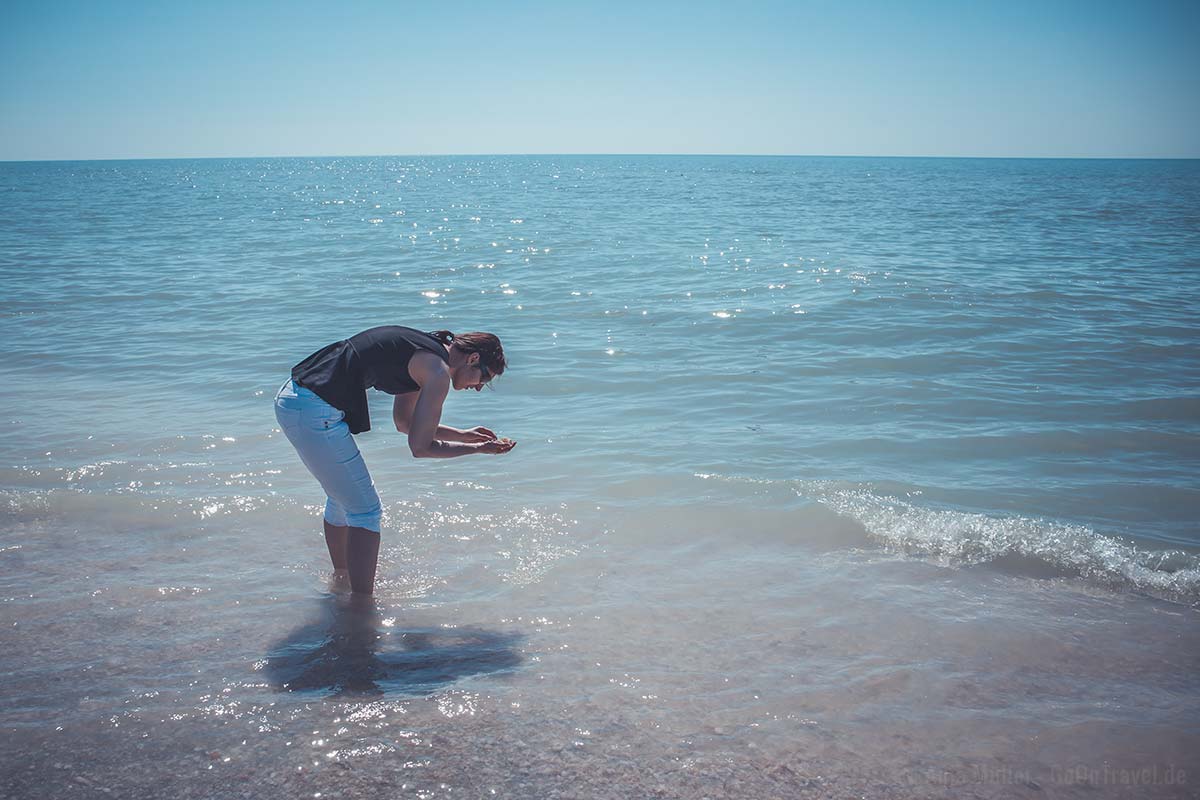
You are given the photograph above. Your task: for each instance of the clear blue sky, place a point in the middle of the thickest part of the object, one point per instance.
(128, 79)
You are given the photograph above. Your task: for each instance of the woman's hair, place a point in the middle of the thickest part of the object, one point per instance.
(491, 353)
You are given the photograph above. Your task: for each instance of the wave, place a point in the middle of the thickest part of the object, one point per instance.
(1019, 545)
(1041, 547)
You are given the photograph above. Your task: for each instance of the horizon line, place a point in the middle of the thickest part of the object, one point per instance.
(599, 155)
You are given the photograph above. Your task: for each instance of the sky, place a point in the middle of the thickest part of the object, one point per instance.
(102, 79)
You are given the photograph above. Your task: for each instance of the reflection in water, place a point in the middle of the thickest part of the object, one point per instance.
(348, 652)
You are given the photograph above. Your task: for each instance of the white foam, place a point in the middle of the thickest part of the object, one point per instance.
(963, 538)
(966, 538)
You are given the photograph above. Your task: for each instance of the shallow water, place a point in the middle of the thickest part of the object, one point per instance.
(835, 477)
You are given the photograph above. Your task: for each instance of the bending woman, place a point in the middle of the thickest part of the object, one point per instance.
(326, 401)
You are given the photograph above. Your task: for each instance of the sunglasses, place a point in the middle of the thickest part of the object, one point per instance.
(485, 374)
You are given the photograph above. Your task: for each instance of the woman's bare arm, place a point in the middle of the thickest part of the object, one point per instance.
(427, 412)
(402, 411)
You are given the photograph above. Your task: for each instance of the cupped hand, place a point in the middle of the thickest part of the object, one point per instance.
(478, 434)
(497, 446)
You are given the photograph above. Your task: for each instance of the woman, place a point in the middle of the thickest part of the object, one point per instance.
(326, 401)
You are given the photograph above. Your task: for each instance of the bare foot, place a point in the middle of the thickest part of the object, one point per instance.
(339, 581)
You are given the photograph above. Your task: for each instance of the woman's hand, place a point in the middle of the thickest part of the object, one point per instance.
(478, 434)
(496, 446)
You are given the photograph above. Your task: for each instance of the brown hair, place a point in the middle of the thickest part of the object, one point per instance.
(491, 353)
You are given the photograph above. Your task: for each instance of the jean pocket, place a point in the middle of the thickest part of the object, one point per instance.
(321, 419)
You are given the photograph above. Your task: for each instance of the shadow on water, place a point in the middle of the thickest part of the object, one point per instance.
(349, 651)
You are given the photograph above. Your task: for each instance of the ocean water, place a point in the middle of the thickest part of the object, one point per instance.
(836, 477)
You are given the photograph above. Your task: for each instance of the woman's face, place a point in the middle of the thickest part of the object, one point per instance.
(470, 374)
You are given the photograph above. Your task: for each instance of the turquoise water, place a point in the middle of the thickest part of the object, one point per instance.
(776, 416)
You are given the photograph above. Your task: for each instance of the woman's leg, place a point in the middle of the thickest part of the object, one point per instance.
(355, 550)
(362, 556)
(335, 525)
(335, 540)
(352, 511)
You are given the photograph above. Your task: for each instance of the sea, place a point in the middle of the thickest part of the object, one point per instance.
(835, 477)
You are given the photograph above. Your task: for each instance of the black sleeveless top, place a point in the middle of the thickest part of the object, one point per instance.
(341, 373)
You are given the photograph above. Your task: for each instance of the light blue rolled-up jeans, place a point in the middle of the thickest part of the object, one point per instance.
(326, 446)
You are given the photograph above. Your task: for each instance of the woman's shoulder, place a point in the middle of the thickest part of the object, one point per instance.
(426, 369)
